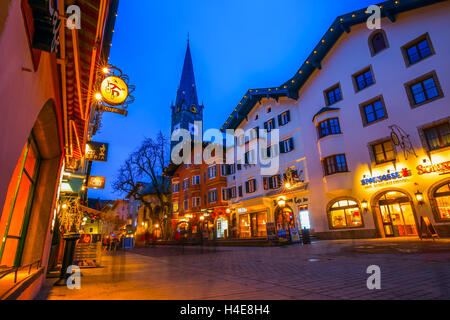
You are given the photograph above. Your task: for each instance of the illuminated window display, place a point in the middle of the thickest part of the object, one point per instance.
(442, 198)
(17, 208)
(345, 214)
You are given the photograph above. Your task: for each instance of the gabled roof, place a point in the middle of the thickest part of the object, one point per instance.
(187, 91)
(341, 24)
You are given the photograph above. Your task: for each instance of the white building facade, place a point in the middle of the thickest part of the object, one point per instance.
(370, 120)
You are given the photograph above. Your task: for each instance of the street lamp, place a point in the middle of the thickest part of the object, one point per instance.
(419, 197)
(364, 205)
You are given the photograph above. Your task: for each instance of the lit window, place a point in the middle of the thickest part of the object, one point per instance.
(383, 151)
(442, 198)
(345, 214)
(438, 137)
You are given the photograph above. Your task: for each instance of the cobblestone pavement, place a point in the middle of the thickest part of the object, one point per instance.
(322, 270)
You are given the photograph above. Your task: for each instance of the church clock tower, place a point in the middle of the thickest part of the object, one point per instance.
(186, 109)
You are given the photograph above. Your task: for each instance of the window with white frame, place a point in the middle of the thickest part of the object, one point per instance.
(250, 186)
(195, 180)
(212, 196)
(212, 172)
(284, 118)
(186, 184)
(233, 192)
(196, 202)
(176, 187)
(272, 151)
(186, 204)
(225, 194)
(286, 145)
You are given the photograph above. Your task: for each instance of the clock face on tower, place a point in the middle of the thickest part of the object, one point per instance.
(193, 109)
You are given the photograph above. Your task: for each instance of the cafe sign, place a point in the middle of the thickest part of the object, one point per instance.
(96, 182)
(440, 168)
(386, 177)
(114, 91)
(96, 151)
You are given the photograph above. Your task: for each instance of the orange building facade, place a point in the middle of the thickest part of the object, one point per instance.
(199, 201)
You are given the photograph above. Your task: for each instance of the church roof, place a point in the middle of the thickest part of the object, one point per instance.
(187, 91)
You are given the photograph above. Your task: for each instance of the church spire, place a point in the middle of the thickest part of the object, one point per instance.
(187, 91)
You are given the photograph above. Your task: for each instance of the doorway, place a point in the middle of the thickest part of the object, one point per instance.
(222, 227)
(397, 214)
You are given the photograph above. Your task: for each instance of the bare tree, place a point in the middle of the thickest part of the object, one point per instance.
(147, 163)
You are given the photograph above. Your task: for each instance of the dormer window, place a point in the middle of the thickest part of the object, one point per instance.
(377, 42)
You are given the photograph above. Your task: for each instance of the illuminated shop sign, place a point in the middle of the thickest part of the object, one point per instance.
(96, 151)
(114, 90)
(441, 168)
(96, 182)
(386, 177)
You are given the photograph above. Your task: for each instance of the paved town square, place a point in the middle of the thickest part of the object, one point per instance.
(322, 270)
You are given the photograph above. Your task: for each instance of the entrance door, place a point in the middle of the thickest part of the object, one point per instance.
(222, 228)
(397, 215)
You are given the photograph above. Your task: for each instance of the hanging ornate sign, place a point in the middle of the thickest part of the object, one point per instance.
(401, 139)
(113, 92)
(96, 151)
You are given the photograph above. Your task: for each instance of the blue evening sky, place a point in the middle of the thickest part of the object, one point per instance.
(236, 45)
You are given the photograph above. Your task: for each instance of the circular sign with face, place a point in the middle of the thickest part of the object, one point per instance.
(114, 90)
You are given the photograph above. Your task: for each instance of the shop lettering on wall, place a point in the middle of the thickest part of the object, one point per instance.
(441, 168)
(46, 25)
(295, 200)
(389, 178)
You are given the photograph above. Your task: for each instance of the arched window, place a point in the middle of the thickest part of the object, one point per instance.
(442, 199)
(378, 42)
(344, 213)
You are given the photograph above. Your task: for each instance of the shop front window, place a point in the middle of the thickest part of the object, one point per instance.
(285, 219)
(442, 198)
(17, 208)
(259, 224)
(222, 227)
(345, 214)
(244, 226)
